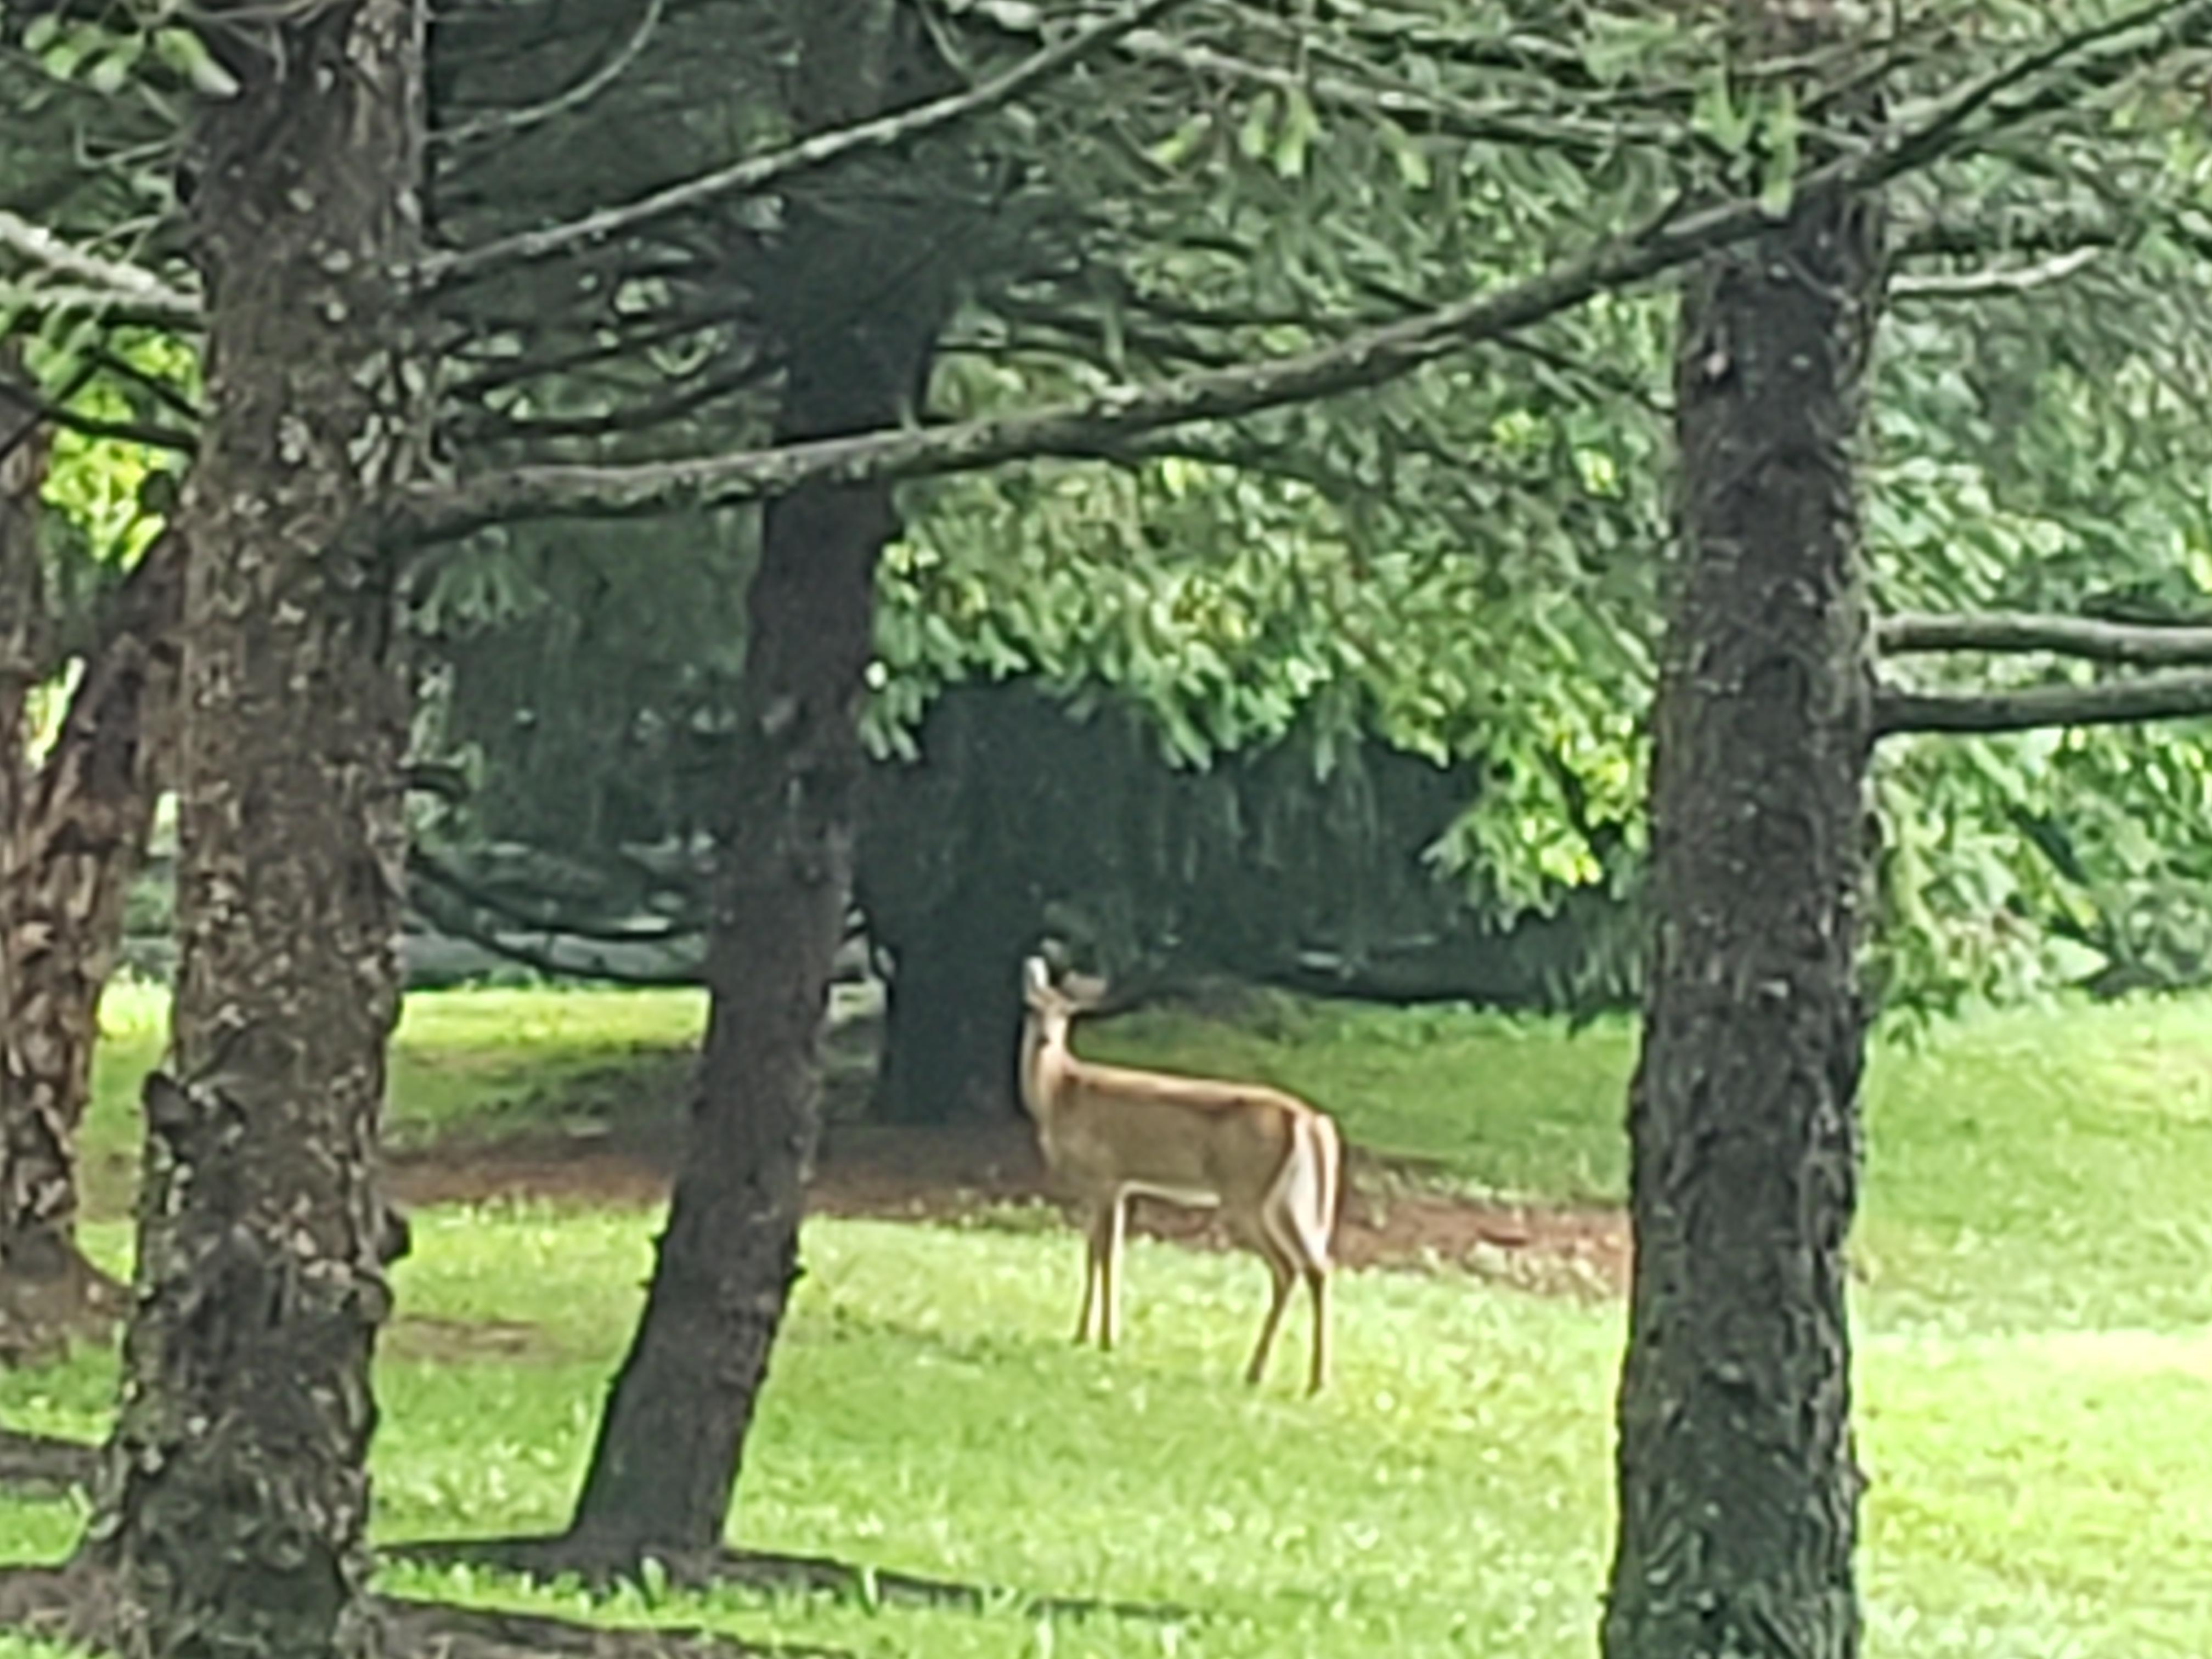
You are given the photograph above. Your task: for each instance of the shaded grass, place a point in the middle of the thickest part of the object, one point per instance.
(473, 1061)
(2034, 1365)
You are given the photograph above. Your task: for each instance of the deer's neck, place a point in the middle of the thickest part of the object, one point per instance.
(1044, 1054)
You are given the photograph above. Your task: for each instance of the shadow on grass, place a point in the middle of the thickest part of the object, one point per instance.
(77, 1605)
(555, 1556)
(42, 1465)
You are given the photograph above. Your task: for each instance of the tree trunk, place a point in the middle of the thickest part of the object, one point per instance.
(1738, 1491)
(951, 1029)
(673, 1439)
(859, 350)
(34, 1164)
(235, 1494)
(76, 843)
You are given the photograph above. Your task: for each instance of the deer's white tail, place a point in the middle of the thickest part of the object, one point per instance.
(1306, 1192)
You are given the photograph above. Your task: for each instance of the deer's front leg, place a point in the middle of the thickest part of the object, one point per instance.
(1111, 1220)
(1091, 1275)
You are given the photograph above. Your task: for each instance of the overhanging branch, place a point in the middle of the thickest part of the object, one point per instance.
(1097, 426)
(763, 172)
(2142, 645)
(2120, 703)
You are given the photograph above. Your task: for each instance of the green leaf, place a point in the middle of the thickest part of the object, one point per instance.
(1413, 169)
(1254, 137)
(1183, 143)
(1300, 127)
(1615, 46)
(1715, 113)
(183, 50)
(110, 72)
(1779, 131)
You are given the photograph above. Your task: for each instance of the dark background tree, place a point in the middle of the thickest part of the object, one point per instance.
(1017, 821)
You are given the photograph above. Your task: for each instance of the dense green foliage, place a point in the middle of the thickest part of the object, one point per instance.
(1462, 564)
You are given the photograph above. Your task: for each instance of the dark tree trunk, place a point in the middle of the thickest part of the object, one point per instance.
(673, 1435)
(1738, 1492)
(35, 1181)
(235, 1494)
(78, 840)
(951, 1031)
(858, 318)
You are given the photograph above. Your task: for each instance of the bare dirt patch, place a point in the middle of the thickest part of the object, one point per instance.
(456, 1341)
(1396, 1215)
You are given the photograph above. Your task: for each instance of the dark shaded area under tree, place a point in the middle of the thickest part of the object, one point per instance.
(1021, 820)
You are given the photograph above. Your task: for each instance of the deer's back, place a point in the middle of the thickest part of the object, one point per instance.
(1175, 1136)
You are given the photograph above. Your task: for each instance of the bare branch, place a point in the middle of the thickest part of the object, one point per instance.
(94, 281)
(56, 412)
(506, 123)
(2152, 645)
(2117, 703)
(1099, 426)
(1431, 110)
(520, 913)
(763, 173)
(2000, 279)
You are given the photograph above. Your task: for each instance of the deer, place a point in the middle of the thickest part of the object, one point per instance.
(1270, 1163)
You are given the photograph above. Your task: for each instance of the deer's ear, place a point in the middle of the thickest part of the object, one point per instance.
(1085, 991)
(1037, 978)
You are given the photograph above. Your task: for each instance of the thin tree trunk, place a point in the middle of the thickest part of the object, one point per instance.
(1738, 1491)
(234, 1495)
(33, 1158)
(673, 1439)
(78, 841)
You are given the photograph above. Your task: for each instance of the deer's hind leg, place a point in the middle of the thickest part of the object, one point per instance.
(1279, 1271)
(1317, 1286)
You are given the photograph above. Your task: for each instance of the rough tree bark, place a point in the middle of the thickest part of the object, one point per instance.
(34, 1163)
(672, 1437)
(1738, 1491)
(233, 1498)
(76, 841)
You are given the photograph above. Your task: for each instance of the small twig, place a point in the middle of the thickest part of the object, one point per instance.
(2000, 279)
(507, 123)
(99, 280)
(55, 411)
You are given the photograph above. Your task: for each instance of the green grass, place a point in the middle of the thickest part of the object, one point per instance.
(2034, 1368)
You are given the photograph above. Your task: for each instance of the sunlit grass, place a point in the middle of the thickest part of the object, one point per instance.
(2034, 1364)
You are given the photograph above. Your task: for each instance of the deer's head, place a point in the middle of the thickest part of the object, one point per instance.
(1054, 1002)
